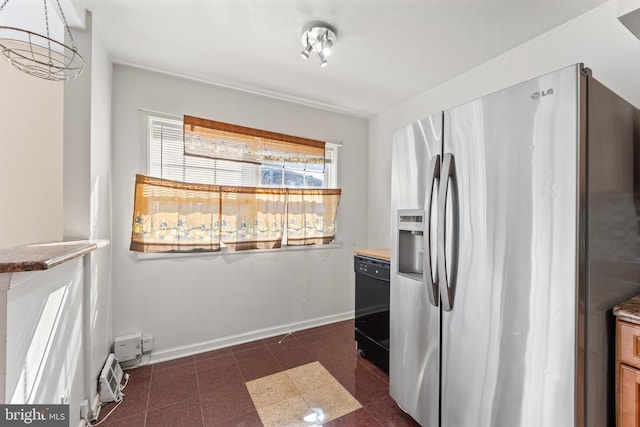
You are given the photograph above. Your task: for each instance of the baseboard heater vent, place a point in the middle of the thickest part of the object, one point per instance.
(110, 379)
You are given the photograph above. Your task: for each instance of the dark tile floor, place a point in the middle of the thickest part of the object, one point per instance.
(209, 389)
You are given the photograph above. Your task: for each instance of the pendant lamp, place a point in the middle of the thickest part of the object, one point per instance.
(40, 55)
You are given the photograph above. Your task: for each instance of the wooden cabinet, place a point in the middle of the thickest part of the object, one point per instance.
(628, 394)
(628, 372)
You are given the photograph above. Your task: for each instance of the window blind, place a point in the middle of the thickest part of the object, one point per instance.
(167, 160)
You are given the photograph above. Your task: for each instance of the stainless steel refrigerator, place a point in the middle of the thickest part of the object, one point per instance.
(515, 229)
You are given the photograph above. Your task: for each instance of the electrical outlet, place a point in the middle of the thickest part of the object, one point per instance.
(84, 410)
(128, 347)
(147, 343)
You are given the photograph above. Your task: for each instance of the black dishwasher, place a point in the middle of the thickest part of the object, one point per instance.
(372, 309)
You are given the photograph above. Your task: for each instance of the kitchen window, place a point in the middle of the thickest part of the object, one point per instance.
(166, 160)
(271, 193)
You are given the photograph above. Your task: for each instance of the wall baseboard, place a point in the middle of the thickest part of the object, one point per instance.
(205, 346)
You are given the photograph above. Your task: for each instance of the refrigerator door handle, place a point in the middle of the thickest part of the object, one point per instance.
(427, 270)
(446, 289)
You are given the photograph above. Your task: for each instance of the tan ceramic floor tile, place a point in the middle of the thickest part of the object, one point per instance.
(309, 377)
(271, 389)
(300, 397)
(286, 413)
(332, 401)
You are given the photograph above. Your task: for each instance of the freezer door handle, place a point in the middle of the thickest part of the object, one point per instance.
(447, 174)
(427, 270)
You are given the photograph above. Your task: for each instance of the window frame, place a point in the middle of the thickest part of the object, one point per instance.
(331, 182)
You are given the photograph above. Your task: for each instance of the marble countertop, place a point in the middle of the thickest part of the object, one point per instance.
(629, 310)
(384, 253)
(43, 256)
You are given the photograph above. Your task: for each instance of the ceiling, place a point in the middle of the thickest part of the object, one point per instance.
(387, 50)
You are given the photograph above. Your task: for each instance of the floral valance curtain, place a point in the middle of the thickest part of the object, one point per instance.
(252, 218)
(172, 216)
(311, 216)
(217, 140)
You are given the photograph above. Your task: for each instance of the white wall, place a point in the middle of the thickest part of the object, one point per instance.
(199, 303)
(30, 142)
(45, 362)
(31, 160)
(78, 145)
(596, 39)
(99, 295)
(87, 192)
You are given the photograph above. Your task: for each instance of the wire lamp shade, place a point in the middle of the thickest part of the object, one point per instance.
(40, 55)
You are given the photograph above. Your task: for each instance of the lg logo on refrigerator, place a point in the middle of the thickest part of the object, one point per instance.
(537, 95)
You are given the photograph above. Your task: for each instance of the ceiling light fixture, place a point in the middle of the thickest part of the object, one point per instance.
(318, 37)
(307, 50)
(39, 55)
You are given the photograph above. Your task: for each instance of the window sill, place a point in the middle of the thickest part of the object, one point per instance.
(141, 256)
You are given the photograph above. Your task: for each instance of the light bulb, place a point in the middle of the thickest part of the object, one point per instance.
(326, 47)
(305, 52)
(322, 59)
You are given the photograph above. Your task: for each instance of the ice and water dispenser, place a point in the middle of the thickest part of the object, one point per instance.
(411, 242)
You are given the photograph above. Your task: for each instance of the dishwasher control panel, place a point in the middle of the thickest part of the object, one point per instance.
(372, 267)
